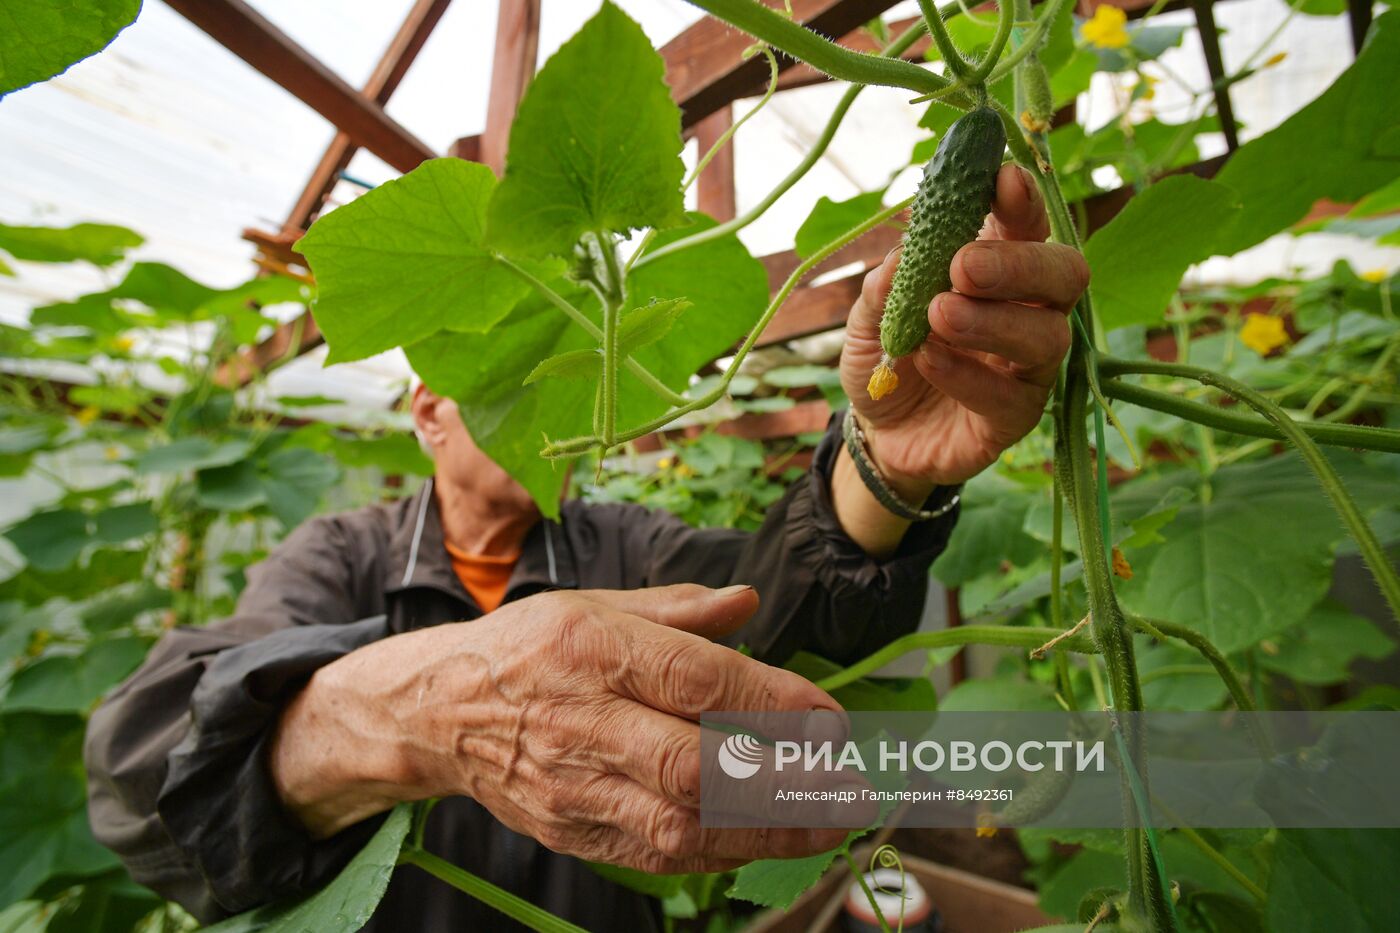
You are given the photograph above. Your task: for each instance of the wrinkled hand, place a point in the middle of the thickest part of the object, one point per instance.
(980, 381)
(571, 716)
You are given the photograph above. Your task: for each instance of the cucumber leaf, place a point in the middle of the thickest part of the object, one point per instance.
(595, 145)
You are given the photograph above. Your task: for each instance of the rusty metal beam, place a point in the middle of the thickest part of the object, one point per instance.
(517, 47)
(240, 29)
(382, 83)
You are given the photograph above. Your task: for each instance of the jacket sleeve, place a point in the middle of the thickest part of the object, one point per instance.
(818, 590)
(176, 756)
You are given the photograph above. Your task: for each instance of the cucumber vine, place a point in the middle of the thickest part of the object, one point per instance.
(1088, 381)
(559, 187)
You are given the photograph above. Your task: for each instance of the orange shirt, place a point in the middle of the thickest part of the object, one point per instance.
(484, 576)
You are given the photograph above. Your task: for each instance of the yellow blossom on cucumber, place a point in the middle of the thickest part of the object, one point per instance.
(882, 382)
(1263, 333)
(1107, 28)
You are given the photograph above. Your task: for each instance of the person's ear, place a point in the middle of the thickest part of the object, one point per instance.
(426, 423)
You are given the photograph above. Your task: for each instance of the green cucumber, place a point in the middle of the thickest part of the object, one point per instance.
(949, 209)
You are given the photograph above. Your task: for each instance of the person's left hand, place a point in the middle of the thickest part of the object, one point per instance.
(980, 381)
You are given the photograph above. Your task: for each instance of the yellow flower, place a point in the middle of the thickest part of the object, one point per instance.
(1121, 568)
(683, 471)
(1274, 59)
(88, 415)
(1106, 29)
(664, 463)
(1263, 333)
(1375, 275)
(123, 343)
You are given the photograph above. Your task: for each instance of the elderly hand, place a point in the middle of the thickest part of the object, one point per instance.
(980, 381)
(571, 716)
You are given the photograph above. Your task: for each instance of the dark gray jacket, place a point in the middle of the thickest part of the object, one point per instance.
(176, 756)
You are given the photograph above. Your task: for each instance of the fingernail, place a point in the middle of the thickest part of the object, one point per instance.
(956, 314)
(935, 356)
(824, 725)
(734, 590)
(982, 266)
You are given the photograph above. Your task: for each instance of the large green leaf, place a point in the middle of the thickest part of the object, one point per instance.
(100, 244)
(169, 296)
(41, 38)
(1321, 650)
(191, 453)
(344, 905)
(72, 683)
(1343, 145)
(289, 482)
(43, 805)
(1334, 881)
(50, 540)
(780, 882)
(53, 539)
(727, 287)
(1138, 258)
(407, 259)
(1246, 564)
(829, 219)
(989, 533)
(595, 145)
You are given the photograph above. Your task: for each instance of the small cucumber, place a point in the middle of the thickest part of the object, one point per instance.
(952, 202)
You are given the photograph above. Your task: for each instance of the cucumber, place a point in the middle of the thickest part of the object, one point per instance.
(952, 202)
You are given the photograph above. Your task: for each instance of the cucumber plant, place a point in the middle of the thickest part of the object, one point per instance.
(628, 333)
(567, 306)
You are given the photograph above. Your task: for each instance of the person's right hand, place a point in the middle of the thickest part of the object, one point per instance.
(571, 716)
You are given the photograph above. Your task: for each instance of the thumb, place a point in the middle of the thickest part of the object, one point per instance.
(689, 607)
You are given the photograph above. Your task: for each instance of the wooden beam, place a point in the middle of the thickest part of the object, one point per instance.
(714, 189)
(517, 47)
(705, 67)
(245, 33)
(393, 65)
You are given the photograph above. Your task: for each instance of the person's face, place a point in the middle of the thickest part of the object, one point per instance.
(457, 460)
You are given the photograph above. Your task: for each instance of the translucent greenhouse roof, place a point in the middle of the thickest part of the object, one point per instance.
(172, 135)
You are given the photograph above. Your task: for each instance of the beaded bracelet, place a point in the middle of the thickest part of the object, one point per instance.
(878, 486)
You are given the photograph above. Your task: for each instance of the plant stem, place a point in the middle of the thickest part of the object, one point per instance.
(577, 445)
(1312, 455)
(822, 54)
(1161, 630)
(958, 67)
(1003, 636)
(814, 154)
(1334, 435)
(1146, 892)
(1032, 43)
(728, 134)
(869, 895)
(518, 909)
(578, 317)
(613, 298)
(1006, 17)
